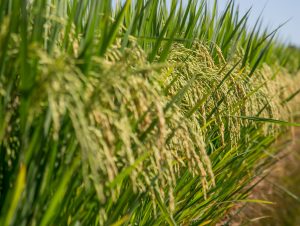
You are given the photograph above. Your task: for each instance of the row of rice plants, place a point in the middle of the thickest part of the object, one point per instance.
(136, 112)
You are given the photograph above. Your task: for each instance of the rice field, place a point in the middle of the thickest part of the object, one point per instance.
(137, 112)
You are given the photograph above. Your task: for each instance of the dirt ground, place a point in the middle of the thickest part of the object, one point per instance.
(281, 186)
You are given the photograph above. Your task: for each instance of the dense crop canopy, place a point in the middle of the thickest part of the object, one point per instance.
(136, 112)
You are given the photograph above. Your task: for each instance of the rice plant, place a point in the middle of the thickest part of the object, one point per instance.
(136, 112)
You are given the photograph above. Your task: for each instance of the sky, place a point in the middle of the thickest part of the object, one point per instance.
(274, 13)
